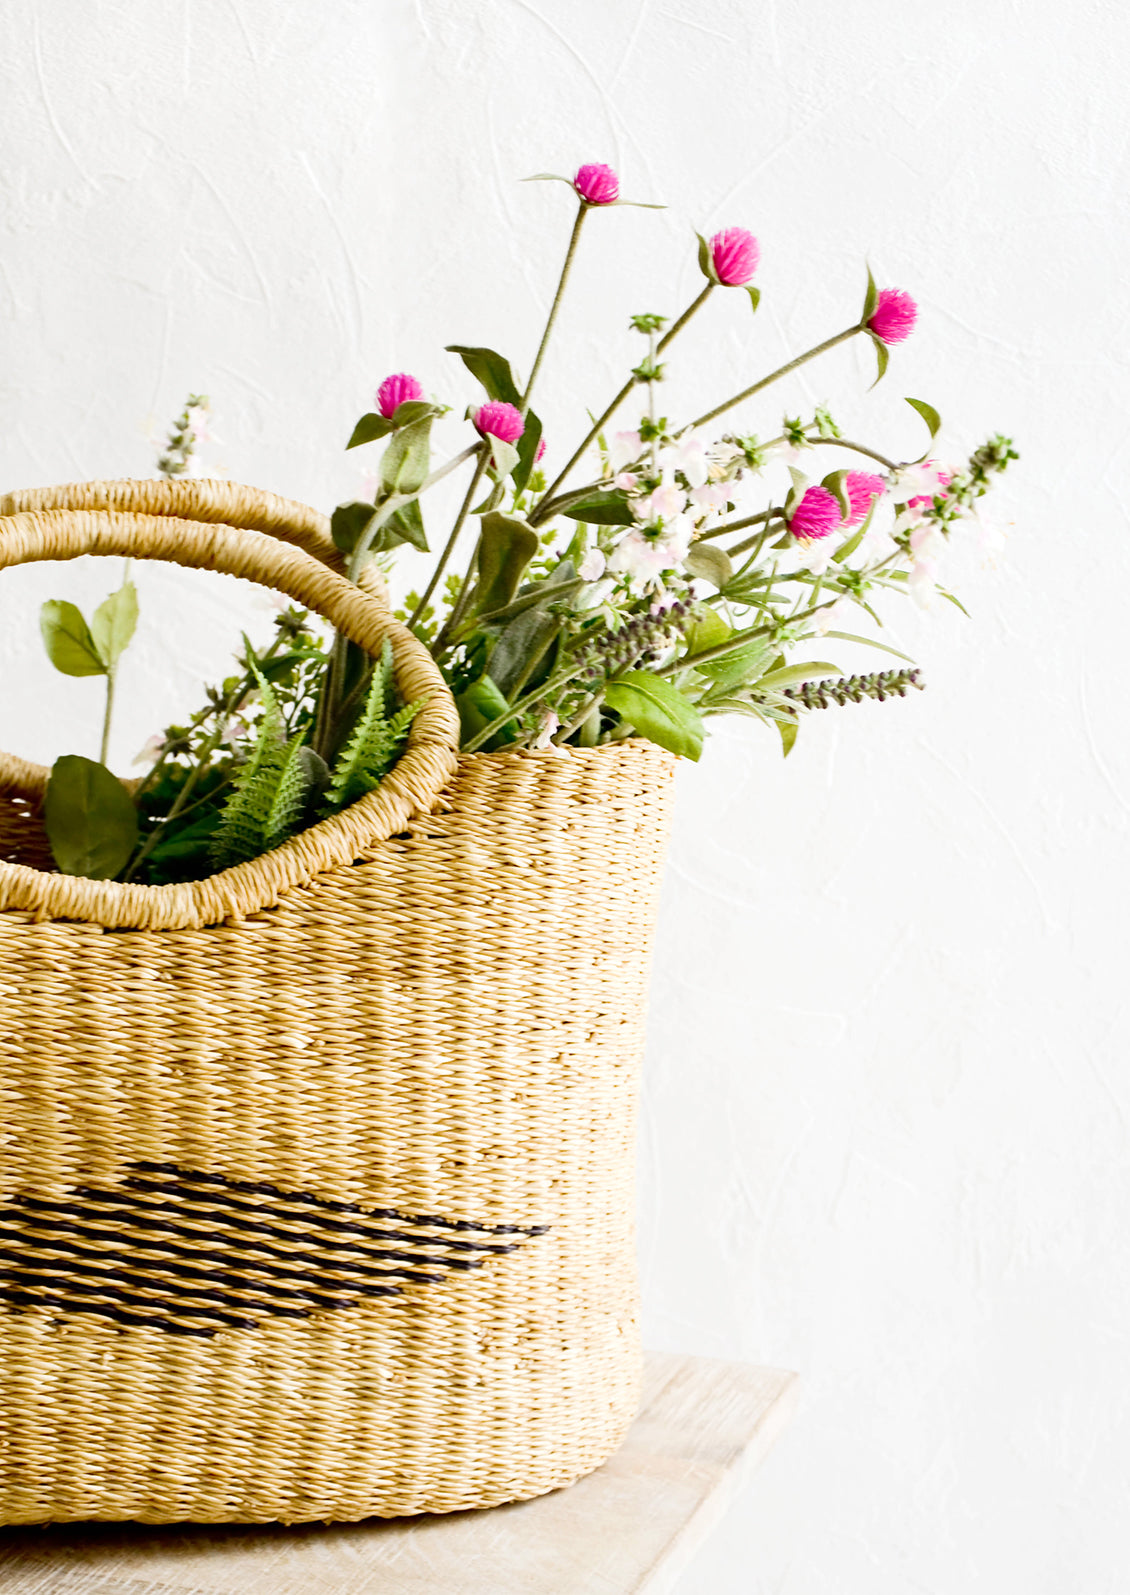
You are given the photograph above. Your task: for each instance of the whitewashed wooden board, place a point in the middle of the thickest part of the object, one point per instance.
(632, 1526)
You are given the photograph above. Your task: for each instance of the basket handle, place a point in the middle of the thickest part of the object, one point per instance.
(411, 788)
(212, 499)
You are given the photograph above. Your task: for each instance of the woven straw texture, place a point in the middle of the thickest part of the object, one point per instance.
(320, 1207)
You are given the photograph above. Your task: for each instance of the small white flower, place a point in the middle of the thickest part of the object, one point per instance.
(152, 750)
(919, 481)
(710, 497)
(689, 456)
(664, 504)
(926, 542)
(626, 481)
(816, 554)
(626, 447)
(825, 619)
(591, 568)
(547, 730)
(922, 582)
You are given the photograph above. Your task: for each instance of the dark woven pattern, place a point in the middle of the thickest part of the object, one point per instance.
(193, 1253)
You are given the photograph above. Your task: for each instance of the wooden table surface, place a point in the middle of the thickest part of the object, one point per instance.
(631, 1526)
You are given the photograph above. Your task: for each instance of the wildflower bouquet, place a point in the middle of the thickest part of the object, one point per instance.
(676, 584)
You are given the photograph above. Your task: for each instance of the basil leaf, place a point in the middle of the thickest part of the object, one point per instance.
(658, 711)
(66, 636)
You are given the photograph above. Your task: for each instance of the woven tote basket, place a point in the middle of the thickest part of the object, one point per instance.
(316, 1176)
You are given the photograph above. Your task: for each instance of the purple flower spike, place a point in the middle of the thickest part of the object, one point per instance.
(395, 391)
(817, 515)
(735, 254)
(501, 421)
(597, 185)
(894, 316)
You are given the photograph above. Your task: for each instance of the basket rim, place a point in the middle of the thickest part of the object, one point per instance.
(411, 788)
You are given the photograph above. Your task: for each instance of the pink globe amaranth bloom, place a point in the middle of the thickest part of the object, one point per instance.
(501, 421)
(735, 254)
(395, 391)
(817, 515)
(597, 184)
(862, 490)
(539, 451)
(894, 316)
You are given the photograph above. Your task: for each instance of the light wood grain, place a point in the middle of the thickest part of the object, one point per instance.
(630, 1527)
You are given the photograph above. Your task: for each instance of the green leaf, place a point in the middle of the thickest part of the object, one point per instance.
(369, 429)
(707, 630)
(478, 707)
(850, 636)
(871, 299)
(788, 674)
(489, 368)
(405, 463)
(658, 711)
(66, 636)
(706, 259)
(931, 417)
(836, 483)
(605, 509)
(89, 817)
(406, 526)
(413, 410)
(788, 730)
(955, 601)
(548, 177)
(113, 623)
(846, 550)
(527, 449)
(729, 670)
(503, 456)
(506, 546)
(710, 562)
(754, 295)
(882, 355)
(349, 522)
(527, 637)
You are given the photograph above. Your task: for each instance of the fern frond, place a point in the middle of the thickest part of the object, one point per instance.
(288, 801)
(240, 833)
(369, 753)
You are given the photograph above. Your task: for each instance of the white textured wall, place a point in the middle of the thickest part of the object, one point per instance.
(885, 1138)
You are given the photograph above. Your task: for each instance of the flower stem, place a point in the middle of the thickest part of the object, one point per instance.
(857, 448)
(738, 640)
(111, 676)
(483, 449)
(677, 326)
(782, 371)
(582, 211)
(516, 708)
(536, 517)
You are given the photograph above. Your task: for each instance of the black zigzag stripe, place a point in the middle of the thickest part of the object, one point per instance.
(192, 1252)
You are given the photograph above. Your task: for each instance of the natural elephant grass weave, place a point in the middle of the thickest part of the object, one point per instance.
(316, 1194)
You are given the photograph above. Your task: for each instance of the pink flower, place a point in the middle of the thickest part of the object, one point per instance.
(597, 185)
(894, 316)
(735, 254)
(539, 451)
(817, 515)
(862, 490)
(395, 391)
(501, 421)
